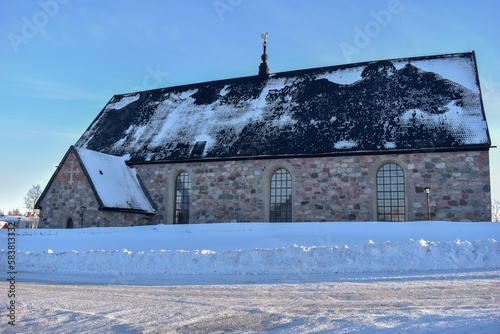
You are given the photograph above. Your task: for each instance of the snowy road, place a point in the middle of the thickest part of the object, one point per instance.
(427, 302)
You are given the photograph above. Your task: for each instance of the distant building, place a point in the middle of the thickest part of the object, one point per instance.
(356, 142)
(19, 221)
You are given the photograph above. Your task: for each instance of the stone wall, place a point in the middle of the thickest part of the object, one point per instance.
(459, 182)
(326, 188)
(323, 189)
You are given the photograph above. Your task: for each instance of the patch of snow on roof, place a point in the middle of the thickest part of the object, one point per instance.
(186, 94)
(456, 69)
(345, 144)
(343, 77)
(125, 101)
(464, 124)
(120, 142)
(283, 121)
(130, 128)
(116, 184)
(169, 120)
(389, 145)
(139, 131)
(134, 134)
(272, 84)
(225, 90)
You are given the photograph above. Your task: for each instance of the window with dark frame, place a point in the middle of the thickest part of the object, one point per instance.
(390, 193)
(182, 198)
(281, 196)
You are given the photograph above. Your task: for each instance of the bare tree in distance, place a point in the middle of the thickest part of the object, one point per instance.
(14, 212)
(29, 202)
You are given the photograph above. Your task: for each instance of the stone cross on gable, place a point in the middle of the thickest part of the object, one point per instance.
(72, 171)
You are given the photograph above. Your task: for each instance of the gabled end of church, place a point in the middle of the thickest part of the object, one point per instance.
(88, 186)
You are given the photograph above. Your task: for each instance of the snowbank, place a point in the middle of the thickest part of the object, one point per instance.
(258, 249)
(412, 255)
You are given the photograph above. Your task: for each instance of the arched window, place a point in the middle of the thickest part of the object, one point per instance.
(281, 196)
(69, 223)
(181, 198)
(390, 193)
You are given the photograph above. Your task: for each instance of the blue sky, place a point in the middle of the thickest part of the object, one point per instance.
(62, 60)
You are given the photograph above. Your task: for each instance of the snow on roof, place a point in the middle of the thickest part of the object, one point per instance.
(13, 218)
(116, 184)
(409, 103)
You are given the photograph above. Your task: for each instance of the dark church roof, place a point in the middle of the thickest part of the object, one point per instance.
(420, 103)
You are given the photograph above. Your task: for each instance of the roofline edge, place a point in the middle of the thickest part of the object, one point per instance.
(320, 155)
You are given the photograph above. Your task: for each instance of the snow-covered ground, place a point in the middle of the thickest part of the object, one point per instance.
(418, 277)
(437, 302)
(147, 253)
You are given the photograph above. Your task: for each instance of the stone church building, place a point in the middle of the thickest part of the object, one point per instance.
(394, 140)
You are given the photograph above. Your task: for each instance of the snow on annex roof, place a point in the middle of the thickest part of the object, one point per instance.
(116, 184)
(431, 102)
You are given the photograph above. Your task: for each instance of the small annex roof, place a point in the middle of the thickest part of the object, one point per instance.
(116, 184)
(420, 103)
